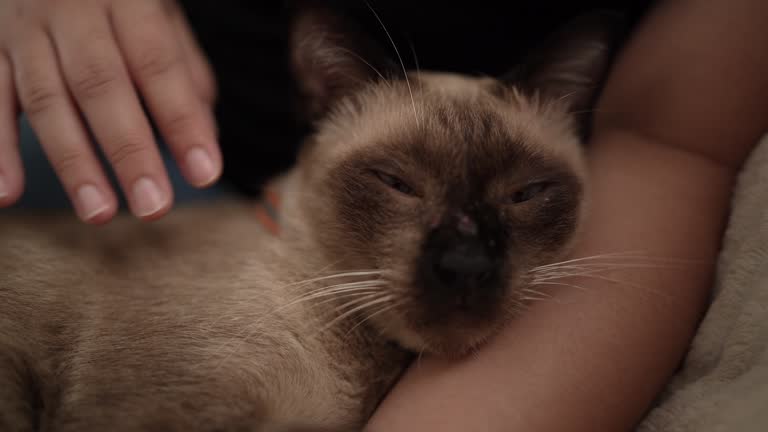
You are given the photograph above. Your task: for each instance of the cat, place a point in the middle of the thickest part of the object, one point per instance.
(412, 222)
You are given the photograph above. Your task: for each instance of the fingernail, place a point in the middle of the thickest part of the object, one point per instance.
(91, 201)
(3, 188)
(200, 166)
(147, 197)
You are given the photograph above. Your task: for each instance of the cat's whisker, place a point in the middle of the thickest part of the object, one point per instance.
(600, 267)
(611, 265)
(343, 286)
(475, 352)
(570, 271)
(517, 307)
(612, 262)
(402, 64)
(552, 282)
(357, 287)
(566, 96)
(342, 296)
(335, 276)
(337, 292)
(621, 256)
(531, 294)
(578, 287)
(353, 302)
(532, 291)
(631, 285)
(418, 77)
(596, 266)
(589, 111)
(420, 355)
(243, 337)
(376, 296)
(329, 266)
(534, 299)
(376, 299)
(627, 284)
(373, 68)
(416, 63)
(370, 284)
(303, 283)
(368, 317)
(626, 254)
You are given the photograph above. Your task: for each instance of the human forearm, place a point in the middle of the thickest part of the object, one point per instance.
(686, 102)
(694, 76)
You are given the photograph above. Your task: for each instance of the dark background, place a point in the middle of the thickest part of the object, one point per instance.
(247, 44)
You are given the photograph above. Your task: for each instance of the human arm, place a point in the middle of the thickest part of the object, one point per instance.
(684, 105)
(92, 66)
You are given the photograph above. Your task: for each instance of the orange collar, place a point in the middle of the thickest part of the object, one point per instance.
(266, 211)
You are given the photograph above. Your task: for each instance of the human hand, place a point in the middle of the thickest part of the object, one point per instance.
(85, 67)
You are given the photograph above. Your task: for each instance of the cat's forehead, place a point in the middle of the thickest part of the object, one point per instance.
(451, 122)
(455, 85)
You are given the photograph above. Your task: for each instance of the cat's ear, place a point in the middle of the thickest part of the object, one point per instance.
(572, 64)
(331, 57)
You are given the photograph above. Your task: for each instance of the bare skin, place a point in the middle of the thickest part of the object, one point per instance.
(87, 65)
(685, 104)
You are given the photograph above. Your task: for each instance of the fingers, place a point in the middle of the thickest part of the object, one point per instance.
(99, 81)
(80, 70)
(52, 115)
(11, 175)
(157, 63)
(199, 68)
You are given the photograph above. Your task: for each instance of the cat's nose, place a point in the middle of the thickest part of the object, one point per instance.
(465, 263)
(462, 262)
(460, 270)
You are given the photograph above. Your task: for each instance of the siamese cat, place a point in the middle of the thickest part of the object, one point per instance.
(411, 223)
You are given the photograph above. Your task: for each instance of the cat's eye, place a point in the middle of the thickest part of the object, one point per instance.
(394, 183)
(530, 191)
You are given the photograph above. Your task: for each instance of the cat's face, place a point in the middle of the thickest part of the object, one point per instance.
(454, 187)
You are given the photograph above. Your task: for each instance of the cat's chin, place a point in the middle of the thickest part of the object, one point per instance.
(452, 342)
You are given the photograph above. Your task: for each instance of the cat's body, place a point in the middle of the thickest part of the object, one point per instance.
(412, 222)
(156, 325)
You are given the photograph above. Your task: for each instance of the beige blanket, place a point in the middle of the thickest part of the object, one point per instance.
(723, 385)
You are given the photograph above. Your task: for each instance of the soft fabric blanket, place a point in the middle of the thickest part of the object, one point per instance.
(723, 385)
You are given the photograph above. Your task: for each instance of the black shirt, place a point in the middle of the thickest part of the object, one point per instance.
(247, 44)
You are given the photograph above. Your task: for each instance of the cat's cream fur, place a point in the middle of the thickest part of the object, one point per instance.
(205, 321)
